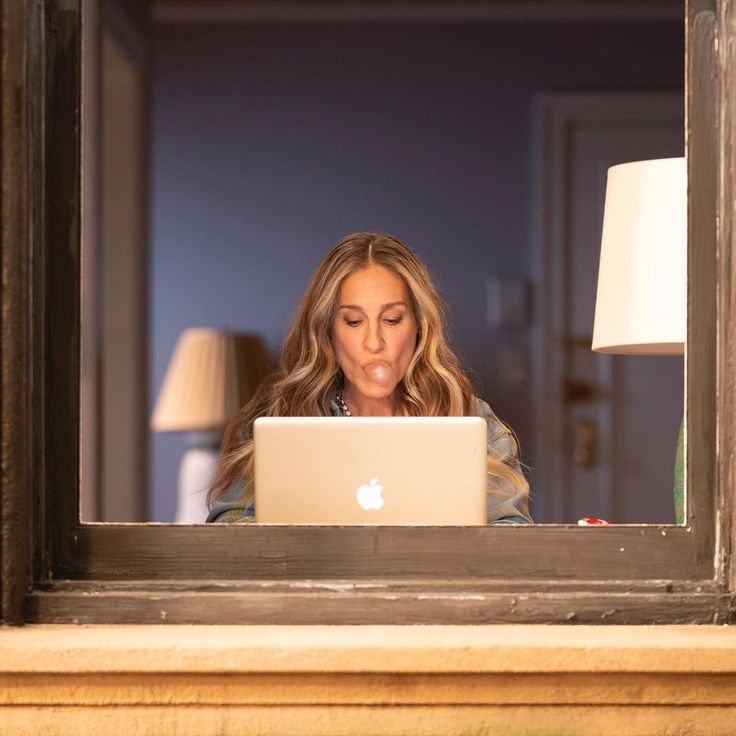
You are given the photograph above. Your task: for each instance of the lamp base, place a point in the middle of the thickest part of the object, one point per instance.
(196, 473)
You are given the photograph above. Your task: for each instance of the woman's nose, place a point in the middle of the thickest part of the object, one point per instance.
(373, 338)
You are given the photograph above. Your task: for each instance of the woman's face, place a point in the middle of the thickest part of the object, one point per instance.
(375, 331)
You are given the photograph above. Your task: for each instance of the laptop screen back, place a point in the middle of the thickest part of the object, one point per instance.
(371, 470)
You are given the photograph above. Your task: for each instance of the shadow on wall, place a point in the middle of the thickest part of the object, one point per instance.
(250, 353)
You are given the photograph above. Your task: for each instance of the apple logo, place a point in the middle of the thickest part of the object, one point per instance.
(369, 496)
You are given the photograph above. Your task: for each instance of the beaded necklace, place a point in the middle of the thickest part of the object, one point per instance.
(341, 405)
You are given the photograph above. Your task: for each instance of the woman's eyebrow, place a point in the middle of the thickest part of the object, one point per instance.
(383, 308)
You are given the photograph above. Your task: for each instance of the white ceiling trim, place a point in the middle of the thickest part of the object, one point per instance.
(165, 12)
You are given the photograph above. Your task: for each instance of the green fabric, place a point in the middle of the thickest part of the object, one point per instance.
(680, 476)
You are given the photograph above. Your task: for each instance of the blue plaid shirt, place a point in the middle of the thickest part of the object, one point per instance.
(506, 504)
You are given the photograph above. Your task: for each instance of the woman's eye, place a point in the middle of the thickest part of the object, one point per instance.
(393, 320)
(352, 322)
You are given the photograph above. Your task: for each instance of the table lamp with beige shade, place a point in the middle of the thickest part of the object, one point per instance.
(211, 374)
(641, 304)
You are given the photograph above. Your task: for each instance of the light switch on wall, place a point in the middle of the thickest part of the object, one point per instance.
(513, 368)
(508, 302)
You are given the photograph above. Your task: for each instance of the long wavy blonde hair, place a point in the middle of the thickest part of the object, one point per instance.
(308, 374)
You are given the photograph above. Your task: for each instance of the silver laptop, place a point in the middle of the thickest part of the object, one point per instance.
(370, 470)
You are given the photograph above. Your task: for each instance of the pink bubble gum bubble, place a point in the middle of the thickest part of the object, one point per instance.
(378, 372)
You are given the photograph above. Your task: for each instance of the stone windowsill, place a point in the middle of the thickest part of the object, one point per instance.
(368, 679)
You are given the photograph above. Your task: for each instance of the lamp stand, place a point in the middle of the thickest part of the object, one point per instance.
(196, 473)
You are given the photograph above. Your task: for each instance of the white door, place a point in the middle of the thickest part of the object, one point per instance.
(606, 426)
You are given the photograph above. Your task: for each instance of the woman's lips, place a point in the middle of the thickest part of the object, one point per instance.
(378, 371)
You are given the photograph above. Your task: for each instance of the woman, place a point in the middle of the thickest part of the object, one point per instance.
(368, 339)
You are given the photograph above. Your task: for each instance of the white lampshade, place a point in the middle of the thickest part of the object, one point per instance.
(204, 385)
(641, 305)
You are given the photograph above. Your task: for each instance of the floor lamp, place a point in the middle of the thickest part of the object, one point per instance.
(641, 304)
(205, 386)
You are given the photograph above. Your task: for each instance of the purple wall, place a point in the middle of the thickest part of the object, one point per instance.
(271, 142)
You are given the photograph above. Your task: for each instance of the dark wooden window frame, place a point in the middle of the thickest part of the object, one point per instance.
(55, 569)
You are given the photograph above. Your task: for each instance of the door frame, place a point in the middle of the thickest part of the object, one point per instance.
(554, 115)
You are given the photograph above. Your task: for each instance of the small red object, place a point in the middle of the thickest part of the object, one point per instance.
(591, 521)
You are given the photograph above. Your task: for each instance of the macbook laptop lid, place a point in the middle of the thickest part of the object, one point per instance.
(371, 470)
